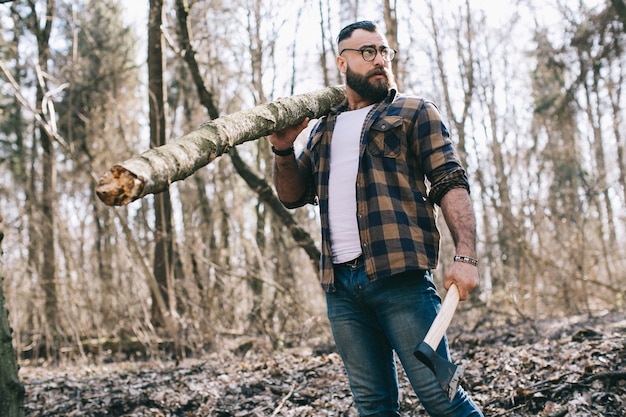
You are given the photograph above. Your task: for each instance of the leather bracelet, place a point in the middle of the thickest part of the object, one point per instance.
(283, 152)
(466, 259)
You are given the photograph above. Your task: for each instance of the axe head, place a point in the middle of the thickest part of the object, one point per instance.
(448, 374)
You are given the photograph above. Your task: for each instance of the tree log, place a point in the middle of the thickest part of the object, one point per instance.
(154, 170)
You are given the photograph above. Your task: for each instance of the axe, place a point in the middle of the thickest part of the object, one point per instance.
(447, 373)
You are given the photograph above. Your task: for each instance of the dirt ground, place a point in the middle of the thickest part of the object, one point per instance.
(557, 368)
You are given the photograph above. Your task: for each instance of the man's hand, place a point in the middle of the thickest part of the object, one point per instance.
(284, 139)
(465, 276)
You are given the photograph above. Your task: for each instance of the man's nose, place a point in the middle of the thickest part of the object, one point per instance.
(379, 60)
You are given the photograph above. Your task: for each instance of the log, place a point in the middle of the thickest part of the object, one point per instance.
(154, 170)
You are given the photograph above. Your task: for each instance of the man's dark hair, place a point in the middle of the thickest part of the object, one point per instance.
(346, 32)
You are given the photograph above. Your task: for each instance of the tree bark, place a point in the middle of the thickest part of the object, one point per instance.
(391, 25)
(154, 170)
(11, 390)
(49, 197)
(164, 246)
(206, 97)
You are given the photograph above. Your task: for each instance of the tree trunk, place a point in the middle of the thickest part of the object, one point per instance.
(163, 249)
(267, 197)
(265, 193)
(391, 26)
(49, 174)
(206, 97)
(11, 390)
(155, 169)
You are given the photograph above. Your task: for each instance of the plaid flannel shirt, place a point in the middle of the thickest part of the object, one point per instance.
(407, 163)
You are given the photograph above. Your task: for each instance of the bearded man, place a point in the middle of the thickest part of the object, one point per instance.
(367, 164)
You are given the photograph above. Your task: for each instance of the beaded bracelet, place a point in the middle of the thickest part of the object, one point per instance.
(466, 259)
(283, 152)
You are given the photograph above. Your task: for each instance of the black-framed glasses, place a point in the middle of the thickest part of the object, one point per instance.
(369, 53)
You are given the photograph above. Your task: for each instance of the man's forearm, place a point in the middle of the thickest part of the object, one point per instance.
(288, 180)
(458, 212)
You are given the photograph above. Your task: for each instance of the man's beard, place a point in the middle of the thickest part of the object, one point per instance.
(375, 90)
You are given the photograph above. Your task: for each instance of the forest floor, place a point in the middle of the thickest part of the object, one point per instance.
(555, 368)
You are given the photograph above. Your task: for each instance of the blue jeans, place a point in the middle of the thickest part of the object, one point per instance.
(371, 320)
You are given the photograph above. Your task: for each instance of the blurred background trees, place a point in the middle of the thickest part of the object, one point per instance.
(532, 92)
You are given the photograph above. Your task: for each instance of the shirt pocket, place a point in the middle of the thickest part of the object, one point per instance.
(385, 137)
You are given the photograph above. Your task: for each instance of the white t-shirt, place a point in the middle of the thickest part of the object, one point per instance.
(344, 164)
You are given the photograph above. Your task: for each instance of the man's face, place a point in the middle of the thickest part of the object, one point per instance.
(369, 79)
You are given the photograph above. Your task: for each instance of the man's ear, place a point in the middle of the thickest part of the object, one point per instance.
(341, 64)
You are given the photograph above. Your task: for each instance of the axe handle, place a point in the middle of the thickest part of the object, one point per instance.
(443, 319)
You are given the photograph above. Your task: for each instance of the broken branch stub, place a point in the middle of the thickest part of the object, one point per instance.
(154, 170)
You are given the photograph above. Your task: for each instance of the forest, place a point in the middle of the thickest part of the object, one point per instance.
(210, 282)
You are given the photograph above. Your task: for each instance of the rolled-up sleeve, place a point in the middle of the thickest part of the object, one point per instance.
(454, 179)
(310, 194)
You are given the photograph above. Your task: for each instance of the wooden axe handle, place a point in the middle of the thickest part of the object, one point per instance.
(443, 319)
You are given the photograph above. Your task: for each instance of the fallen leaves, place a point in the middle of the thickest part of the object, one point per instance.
(555, 369)
(284, 384)
(551, 369)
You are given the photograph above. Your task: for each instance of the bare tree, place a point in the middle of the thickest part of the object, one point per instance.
(495, 97)
(391, 28)
(11, 390)
(48, 197)
(268, 203)
(163, 249)
(597, 47)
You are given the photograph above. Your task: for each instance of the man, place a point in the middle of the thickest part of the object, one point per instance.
(367, 163)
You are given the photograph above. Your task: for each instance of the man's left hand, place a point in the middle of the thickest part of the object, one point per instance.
(465, 276)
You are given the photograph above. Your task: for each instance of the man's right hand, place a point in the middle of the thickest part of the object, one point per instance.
(284, 139)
